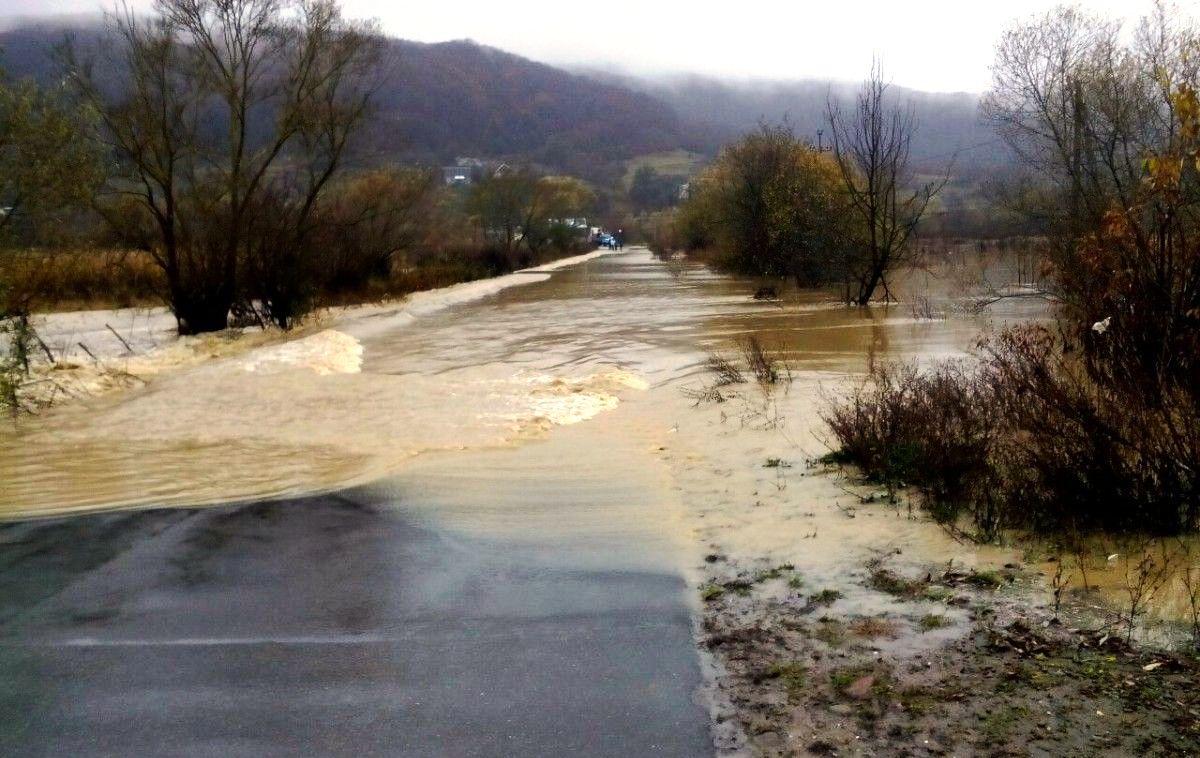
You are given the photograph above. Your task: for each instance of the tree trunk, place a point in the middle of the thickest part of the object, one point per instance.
(866, 290)
(204, 314)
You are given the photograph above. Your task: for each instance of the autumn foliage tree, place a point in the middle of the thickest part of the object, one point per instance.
(1108, 122)
(773, 206)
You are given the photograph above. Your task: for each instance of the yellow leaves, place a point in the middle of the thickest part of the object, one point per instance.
(1163, 77)
(1163, 172)
(1115, 223)
(1187, 111)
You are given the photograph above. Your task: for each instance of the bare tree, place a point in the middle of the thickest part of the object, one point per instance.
(219, 104)
(147, 123)
(871, 146)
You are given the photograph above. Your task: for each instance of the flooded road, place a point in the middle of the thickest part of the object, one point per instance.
(339, 625)
(478, 368)
(493, 520)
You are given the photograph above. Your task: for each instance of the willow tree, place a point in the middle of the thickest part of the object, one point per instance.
(216, 111)
(45, 168)
(518, 208)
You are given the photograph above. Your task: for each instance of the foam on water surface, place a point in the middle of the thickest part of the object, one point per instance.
(324, 353)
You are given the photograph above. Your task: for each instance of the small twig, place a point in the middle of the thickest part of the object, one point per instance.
(128, 349)
(89, 352)
(861, 500)
(44, 346)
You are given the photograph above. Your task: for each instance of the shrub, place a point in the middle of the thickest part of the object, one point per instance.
(931, 429)
(1025, 438)
(16, 337)
(1084, 453)
(771, 206)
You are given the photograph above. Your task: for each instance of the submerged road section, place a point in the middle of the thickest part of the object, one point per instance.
(510, 583)
(338, 624)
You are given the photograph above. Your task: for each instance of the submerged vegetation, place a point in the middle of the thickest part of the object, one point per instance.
(778, 207)
(210, 158)
(1093, 425)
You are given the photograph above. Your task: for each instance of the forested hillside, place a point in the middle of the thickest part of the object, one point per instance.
(437, 102)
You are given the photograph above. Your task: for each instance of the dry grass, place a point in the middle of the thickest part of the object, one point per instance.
(874, 627)
(404, 282)
(726, 371)
(64, 280)
(81, 279)
(758, 410)
(768, 370)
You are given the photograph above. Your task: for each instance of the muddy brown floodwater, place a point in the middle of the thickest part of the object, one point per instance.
(358, 400)
(573, 385)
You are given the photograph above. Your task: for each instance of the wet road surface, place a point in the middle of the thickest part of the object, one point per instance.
(524, 601)
(332, 625)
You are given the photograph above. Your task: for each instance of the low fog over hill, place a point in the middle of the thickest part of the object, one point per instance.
(440, 101)
(949, 125)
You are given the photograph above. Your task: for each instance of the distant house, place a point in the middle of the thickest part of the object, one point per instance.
(456, 175)
(464, 171)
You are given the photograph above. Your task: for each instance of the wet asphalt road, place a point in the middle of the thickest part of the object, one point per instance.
(331, 625)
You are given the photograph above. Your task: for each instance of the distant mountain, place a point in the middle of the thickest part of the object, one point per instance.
(459, 98)
(948, 125)
(440, 101)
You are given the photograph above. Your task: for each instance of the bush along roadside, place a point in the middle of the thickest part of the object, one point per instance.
(1025, 438)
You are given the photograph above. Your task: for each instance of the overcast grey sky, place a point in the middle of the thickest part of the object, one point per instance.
(942, 45)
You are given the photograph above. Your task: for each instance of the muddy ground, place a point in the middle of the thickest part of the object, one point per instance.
(966, 665)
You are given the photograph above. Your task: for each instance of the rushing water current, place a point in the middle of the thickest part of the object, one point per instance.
(359, 400)
(572, 384)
